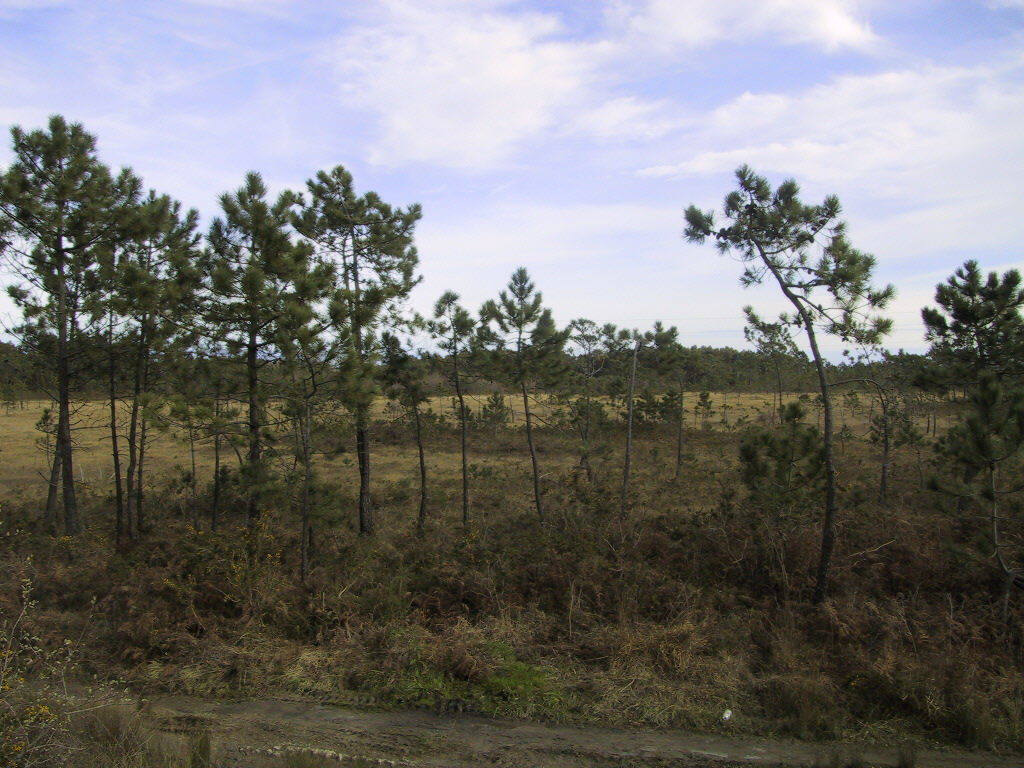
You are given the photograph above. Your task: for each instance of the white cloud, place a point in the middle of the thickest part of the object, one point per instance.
(829, 24)
(616, 262)
(627, 117)
(944, 143)
(466, 83)
(460, 84)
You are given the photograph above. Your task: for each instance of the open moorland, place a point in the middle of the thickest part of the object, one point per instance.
(255, 511)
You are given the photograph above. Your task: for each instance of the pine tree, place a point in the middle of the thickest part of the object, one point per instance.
(773, 234)
(60, 208)
(592, 349)
(783, 469)
(312, 359)
(149, 282)
(672, 363)
(636, 341)
(774, 342)
(988, 440)
(977, 328)
(406, 383)
(371, 245)
(524, 349)
(453, 328)
(975, 331)
(260, 280)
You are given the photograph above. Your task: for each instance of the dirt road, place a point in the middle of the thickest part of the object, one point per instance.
(254, 734)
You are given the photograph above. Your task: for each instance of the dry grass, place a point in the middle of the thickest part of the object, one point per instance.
(23, 457)
(669, 618)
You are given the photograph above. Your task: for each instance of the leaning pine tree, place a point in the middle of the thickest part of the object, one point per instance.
(774, 233)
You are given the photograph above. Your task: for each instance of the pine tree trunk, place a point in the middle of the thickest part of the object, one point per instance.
(883, 482)
(366, 523)
(533, 451)
(627, 462)
(307, 484)
(52, 493)
(215, 507)
(114, 448)
(679, 432)
(132, 482)
(421, 518)
(585, 440)
(192, 501)
(828, 533)
(778, 383)
(140, 495)
(462, 439)
(72, 525)
(254, 453)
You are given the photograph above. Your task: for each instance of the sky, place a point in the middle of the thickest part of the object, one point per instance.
(566, 136)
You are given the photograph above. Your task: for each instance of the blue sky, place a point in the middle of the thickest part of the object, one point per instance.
(568, 135)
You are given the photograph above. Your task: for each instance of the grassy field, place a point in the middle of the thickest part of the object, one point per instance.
(694, 603)
(24, 455)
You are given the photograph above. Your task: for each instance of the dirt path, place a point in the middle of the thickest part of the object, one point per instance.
(253, 734)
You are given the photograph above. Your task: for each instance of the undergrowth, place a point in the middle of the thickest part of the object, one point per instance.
(693, 607)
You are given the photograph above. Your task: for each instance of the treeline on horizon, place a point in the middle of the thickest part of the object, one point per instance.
(24, 374)
(290, 310)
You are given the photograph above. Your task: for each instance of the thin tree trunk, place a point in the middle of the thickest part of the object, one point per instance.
(215, 508)
(366, 523)
(828, 532)
(997, 542)
(533, 451)
(194, 511)
(254, 454)
(52, 493)
(883, 482)
(72, 525)
(585, 439)
(140, 495)
(131, 475)
(627, 463)
(307, 484)
(421, 518)
(778, 383)
(114, 448)
(462, 436)
(679, 432)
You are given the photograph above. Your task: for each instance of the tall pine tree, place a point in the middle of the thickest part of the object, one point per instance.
(60, 209)
(804, 250)
(525, 351)
(371, 245)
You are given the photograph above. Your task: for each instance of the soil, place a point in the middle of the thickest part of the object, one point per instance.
(255, 734)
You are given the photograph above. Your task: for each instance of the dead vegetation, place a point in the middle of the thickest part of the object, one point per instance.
(692, 607)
